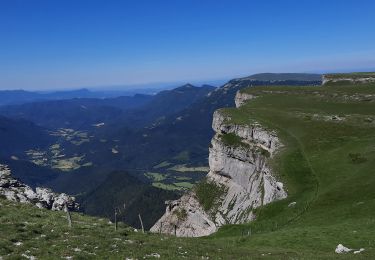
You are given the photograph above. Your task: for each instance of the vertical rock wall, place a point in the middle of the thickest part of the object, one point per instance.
(240, 172)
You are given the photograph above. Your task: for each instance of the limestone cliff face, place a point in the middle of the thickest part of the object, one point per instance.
(365, 79)
(242, 97)
(15, 190)
(240, 171)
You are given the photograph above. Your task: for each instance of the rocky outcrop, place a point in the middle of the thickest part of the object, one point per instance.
(185, 217)
(242, 97)
(14, 190)
(240, 170)
(332, 78)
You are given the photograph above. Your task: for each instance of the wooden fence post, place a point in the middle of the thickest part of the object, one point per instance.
(69, 217)
(115, 219)
(140, 219)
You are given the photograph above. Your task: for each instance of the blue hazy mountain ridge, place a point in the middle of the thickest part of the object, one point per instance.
(9, 97)
(82, 113)
(75, 113)
(17, 97)
(13, 97)
(164, 104)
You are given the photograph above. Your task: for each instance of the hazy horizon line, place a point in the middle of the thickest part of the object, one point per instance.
(172, 84)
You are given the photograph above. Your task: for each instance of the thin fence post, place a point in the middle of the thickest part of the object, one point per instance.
(115, 219)
(69, 217)
(140, 219)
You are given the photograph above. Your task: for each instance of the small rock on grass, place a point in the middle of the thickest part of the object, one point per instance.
(359, 251)
(31, 257)
(155, 255)
(342, 249)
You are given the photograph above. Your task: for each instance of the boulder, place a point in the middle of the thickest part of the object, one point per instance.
(14, 190)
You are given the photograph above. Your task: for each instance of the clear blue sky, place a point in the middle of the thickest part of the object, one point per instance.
(72, 43)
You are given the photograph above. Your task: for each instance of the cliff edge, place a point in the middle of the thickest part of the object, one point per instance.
(353, 78)
(240, 180)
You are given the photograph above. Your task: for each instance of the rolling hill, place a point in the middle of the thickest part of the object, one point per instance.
(17, 135)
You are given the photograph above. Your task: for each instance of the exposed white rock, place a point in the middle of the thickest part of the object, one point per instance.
(253, 135)
(195, 222)
(340, 249)
(44, 195)
(153, 255)
(329, 79)
(243, 174)
(242, 97)
(359, 251)
(14, 190)
(62, 199)
(29, 257)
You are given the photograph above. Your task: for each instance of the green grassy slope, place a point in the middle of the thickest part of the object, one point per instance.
(28, 231)
(327, 163)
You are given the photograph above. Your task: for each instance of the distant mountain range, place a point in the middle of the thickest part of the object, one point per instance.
(77, 113)
(16, 97)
